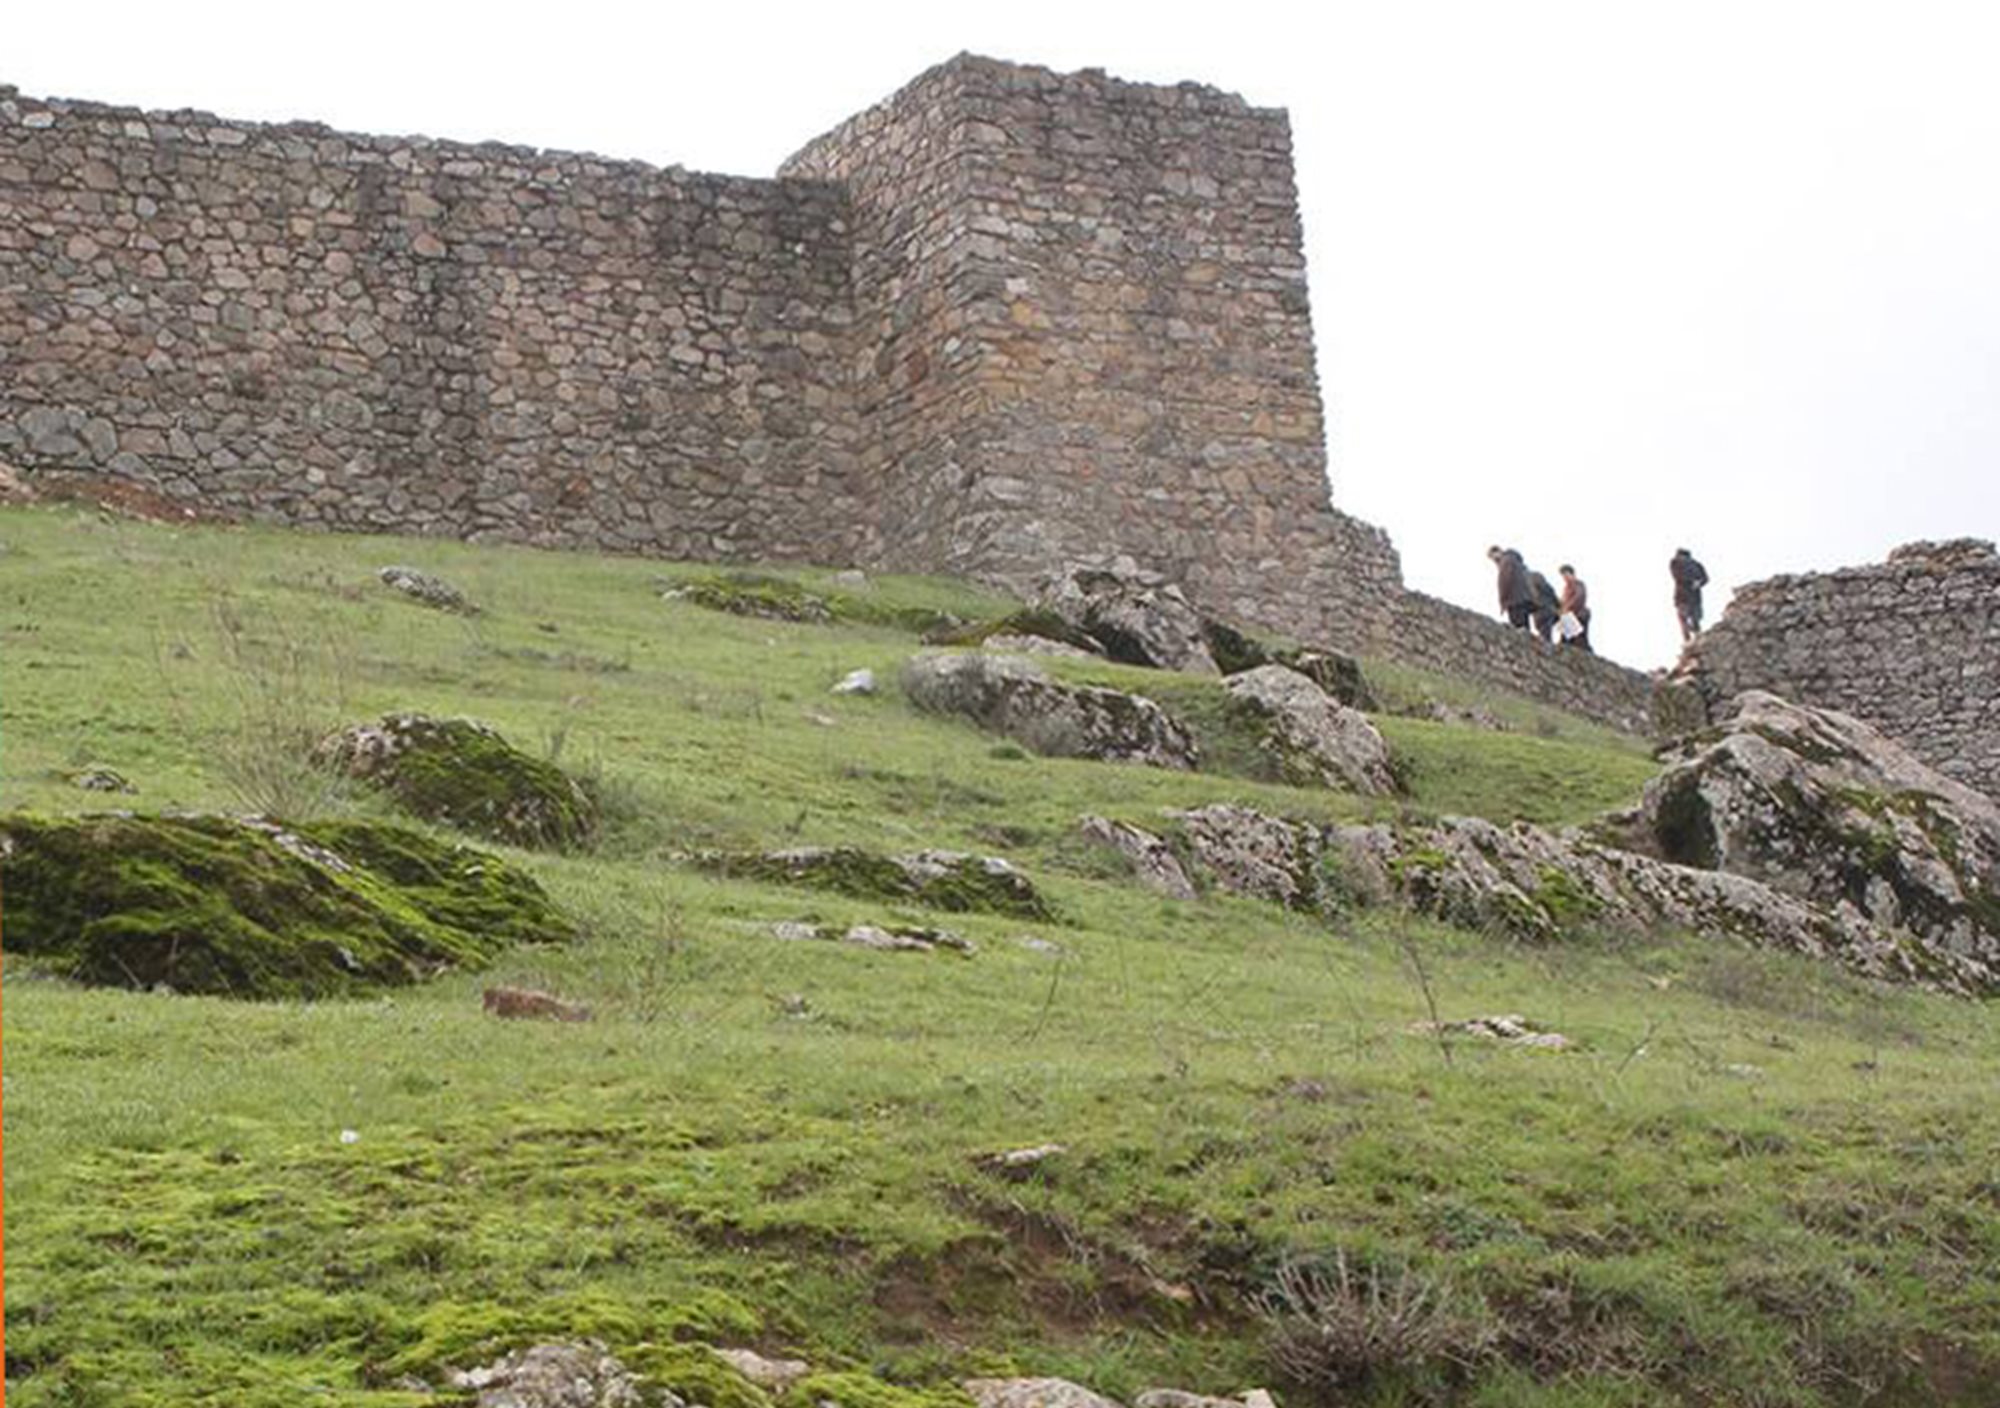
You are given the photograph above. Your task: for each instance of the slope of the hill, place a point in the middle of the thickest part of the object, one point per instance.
(1749, 1181)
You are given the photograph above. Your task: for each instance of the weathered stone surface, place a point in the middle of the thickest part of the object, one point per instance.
(1137, 617)
(949, 880)
(1911, 646)
(1315, 737)
(1821, 805)
(776, 1375)
(1153, 860)
(431, 591)
(585, 1375)
(1248, 852)
(1033, 1393)
(464, 774)
(249, 908)
(1019, 700)
(13, 488)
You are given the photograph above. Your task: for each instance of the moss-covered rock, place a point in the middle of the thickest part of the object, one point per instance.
(464, 774)
(249, 908)
(948, 880)
(756, 594)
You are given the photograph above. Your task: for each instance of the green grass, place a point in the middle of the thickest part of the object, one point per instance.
(1755, 1182)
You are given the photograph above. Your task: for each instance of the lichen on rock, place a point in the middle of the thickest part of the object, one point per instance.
(1313, 738)
(461, 773)
(1019, 700)
(251, 908)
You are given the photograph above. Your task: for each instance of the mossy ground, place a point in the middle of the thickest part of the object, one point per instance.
(457, 773)
(207, 904)
(1755, 1182)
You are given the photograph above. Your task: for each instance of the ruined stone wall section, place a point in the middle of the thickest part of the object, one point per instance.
(1005, 322)
(1911, 646)
(394, 333)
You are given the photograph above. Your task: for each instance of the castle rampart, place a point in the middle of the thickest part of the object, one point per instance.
(1912, 646)
(1004, 321)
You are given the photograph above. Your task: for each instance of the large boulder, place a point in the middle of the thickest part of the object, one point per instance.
(1137, 617)
(1248, 852)
(250, 908)
(1314, 738)
(1822, 806)
(1018, 699)
(464, 774)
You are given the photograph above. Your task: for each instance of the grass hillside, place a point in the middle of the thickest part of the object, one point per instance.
(1753, 1181)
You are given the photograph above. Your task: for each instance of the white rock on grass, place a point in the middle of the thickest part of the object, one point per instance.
(1033, 1393)
(856, 682)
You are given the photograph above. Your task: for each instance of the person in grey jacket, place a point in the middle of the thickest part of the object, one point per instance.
(1689, 578)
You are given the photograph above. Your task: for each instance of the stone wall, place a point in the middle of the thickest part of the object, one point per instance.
(379, 332)
(1912, 646)
(1004, 322)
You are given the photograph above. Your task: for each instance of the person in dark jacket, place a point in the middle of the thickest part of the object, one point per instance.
(1576, 604)
(1689, 578)
(1517, 597)
(1547, 608)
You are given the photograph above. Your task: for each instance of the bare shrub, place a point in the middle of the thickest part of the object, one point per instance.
(1338, 1322)
(275, 684)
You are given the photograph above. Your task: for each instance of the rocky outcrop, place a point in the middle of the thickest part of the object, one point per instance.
(1019, 700)
(250, 908)
(948, 880)
(426, 590)
(1824, 807)
(585, 1375)
(1153, 861)
(1033, 1393)
(1314, 739)
(1134, 616)
(883, 938)
(1538, 886)
(464, 774)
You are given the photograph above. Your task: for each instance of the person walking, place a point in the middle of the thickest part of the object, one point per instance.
(1689, 578)
(1547, 607)
(1517, 597)
(1575, 620)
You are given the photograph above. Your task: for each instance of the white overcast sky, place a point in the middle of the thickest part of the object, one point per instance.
(1596, 279)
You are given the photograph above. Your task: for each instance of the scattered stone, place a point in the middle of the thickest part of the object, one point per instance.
(1314, 737)
(464, 774)
(1153, 860)
(1033, 1393)
(856, 682)
(584, 1375)
(1511, 1028)
(431, 591)
(949, 880)
(1018, 1163)
(886, 938)
(1034, 943)
(99, 778)
(530, 1004)
(777, 1375)
(851, 579)
(1136, 617)
(1013, 697)
(252, 909)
